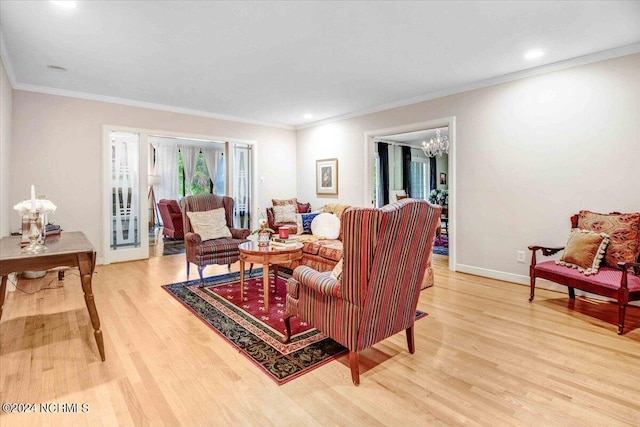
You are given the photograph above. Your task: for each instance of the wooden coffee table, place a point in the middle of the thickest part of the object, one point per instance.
(266, 255)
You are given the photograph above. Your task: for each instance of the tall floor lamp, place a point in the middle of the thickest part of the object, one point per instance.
(153, 180)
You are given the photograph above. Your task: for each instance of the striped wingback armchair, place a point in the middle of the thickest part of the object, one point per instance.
(385, 256)
(215, 251)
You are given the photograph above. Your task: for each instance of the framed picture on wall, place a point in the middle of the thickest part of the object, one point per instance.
(443, 178)
(327, 176)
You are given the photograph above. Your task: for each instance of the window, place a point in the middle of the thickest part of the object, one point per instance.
(419, 171)
(201, 182)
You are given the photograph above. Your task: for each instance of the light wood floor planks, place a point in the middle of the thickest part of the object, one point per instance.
(484, 356)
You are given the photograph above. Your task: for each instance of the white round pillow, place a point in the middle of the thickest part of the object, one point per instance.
(326, 225)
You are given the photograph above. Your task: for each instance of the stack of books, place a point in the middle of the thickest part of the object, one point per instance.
(283, 243)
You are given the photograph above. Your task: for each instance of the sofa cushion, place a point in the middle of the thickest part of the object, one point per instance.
(623, 230)
(220, 246)
(209, 224)
(326, 225)
(284, 213)
(584, 251)
(304, 221)
(331, 249)
(282, 202)
(606, 276)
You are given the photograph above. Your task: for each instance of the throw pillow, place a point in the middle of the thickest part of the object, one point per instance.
(623, 230)
(307, 219)
(336, 273)
(584, 251)
(210, 224)
(284, 213)
(326, 225)
(282, 202)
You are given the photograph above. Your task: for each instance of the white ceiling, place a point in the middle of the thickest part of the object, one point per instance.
(272, 62)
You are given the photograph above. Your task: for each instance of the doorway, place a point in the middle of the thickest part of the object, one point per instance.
(411, 172)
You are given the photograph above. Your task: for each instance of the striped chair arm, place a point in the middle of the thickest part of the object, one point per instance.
(322, 283)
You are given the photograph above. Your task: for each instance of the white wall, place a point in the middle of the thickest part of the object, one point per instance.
(6, 107)
(57, 146)
(529, 153)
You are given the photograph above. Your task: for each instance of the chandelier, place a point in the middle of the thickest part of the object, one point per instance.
(436, 146)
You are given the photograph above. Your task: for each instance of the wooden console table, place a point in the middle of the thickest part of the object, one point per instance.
(69, 249)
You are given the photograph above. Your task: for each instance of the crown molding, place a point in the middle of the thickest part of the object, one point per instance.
(518, 75)
(4, 54)
(149, 105)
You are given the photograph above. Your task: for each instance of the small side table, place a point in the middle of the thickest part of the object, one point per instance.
(266, 255)
(70, 249)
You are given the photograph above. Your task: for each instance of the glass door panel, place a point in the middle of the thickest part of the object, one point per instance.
(128, 233)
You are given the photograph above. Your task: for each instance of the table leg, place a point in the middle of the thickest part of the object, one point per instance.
(275, 278)
(241, 280)
(265, 284)
(3, 291)
(86, 266)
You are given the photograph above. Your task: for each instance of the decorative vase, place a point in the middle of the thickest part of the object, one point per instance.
(263, 237)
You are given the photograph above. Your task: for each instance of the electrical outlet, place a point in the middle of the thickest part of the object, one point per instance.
(258, 208)
(520, 256)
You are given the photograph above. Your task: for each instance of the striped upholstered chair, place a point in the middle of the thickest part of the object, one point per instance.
(215, 251)
(385, 256)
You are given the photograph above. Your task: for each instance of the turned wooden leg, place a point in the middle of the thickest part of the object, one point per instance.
(86, 266)
(287, 327)
(621, 312)
(3, 291)
(410, 340)
(251, 270)
(241, 280)
(187, 270)
(355, 369)
(533, 287)
(200, 271)
(572, 293)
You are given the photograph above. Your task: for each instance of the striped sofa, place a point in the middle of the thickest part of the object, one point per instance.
(377, 292)
(216, 251)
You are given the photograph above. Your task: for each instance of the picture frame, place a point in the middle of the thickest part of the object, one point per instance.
(327, 176)
(443, 178)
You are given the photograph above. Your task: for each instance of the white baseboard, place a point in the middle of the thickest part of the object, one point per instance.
(524, 280)
(493, 274)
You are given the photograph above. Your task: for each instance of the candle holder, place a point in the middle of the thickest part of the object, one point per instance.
(34, 222)
(33, 226)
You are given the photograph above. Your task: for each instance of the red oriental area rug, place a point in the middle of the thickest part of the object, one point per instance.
(254, 332)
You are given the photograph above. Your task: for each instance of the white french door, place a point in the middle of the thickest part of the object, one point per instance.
(126, 233)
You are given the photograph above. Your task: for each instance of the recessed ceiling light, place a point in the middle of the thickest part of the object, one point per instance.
(308, 116)
(56, 68)
(534, 54)
(66, 4)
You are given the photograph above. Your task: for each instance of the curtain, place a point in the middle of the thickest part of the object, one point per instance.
(212, 160)
(383, 153)
(167, 169)
(433, 183)
(406, 170)
(189, 161)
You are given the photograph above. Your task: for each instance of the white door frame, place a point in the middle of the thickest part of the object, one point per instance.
(369, 158)
(143, 251)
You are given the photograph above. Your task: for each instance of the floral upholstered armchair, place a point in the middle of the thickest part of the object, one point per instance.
(218, 246)
(376, 293)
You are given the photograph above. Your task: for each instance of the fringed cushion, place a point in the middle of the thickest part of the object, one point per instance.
(584, 251)
(623, 230)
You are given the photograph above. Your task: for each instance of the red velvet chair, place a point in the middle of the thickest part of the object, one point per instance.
(377, 293)
(171, 219)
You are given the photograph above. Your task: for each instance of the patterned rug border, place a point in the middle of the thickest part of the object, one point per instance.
(296, 344)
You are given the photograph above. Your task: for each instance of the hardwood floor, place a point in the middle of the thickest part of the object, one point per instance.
(484, 356)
